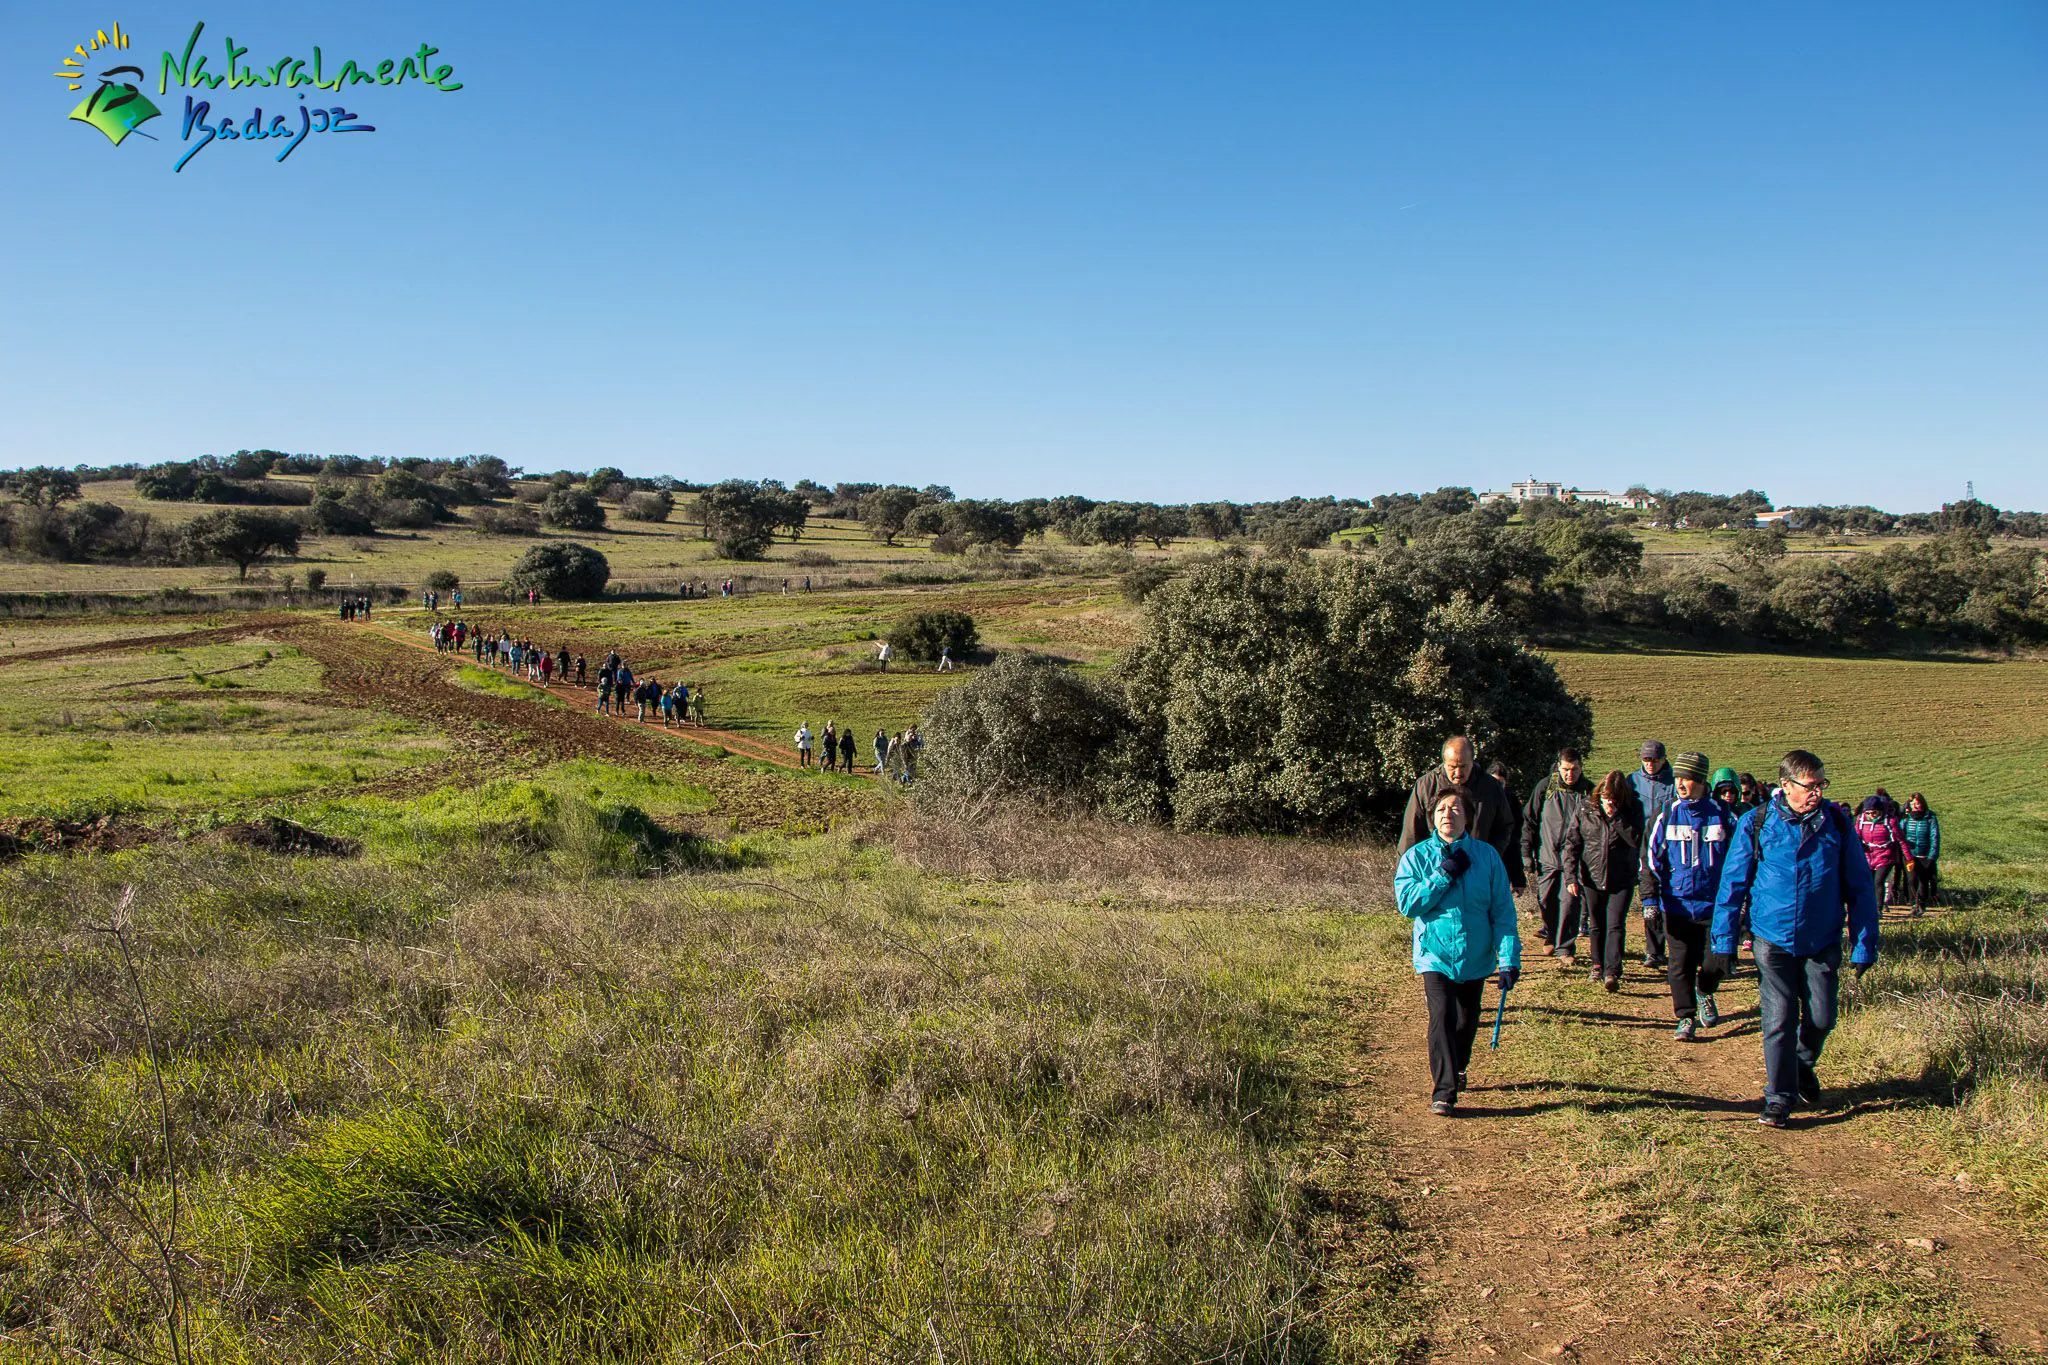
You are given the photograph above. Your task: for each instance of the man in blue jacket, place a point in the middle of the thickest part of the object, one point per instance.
(1683, 854)
(1799, 866)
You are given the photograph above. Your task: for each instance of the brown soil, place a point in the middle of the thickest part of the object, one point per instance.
(273, 834)
(38, 834)
(1515, 1272)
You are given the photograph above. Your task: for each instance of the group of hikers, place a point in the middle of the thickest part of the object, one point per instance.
(353, 609)
(895, 755)
(617, 687)
(1722, 865)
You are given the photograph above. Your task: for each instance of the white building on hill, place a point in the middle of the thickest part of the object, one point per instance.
(1533, 490)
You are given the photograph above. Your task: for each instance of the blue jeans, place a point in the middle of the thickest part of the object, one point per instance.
(1796, 998)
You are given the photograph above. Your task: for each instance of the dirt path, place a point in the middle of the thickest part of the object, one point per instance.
(1513, 1267)
(586, 698)
(505, 734)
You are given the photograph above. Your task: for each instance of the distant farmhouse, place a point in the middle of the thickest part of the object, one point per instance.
(1535, 490)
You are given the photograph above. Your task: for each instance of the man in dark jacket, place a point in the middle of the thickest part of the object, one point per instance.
(1493, 821)
(1799, 867)
(1548, 815)
(1655, 791)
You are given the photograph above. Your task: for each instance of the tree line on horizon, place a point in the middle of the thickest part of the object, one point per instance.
(1549, 566)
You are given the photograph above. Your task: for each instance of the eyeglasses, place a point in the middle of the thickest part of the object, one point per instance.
(1819, 786)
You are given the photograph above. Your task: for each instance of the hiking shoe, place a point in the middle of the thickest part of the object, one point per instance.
(1772, 1117)
(1656, 963)
(1593, 972)
(1688, 1029)
(1441, 1108)
(1809, 1086)
(1710, 1013)
(1613, 985)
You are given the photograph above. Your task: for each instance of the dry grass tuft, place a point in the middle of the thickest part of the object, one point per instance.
(1100, 859)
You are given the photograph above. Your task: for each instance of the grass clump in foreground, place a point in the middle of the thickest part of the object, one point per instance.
(478, 1107)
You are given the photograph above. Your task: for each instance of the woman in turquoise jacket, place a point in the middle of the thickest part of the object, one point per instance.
(1456, 890)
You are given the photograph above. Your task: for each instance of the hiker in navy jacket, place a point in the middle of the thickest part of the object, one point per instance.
(1683, 855)
(1799, 866)
(1654, 791)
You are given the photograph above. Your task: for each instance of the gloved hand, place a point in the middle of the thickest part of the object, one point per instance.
(1455, 862)
(1508, 977)
(1714, 971)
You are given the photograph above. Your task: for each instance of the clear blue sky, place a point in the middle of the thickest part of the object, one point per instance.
(1182, 251)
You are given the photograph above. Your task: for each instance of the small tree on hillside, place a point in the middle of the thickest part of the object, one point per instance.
(654, 506)
(442, 580)
(886, 510)
(564, 571)
(241, 538)
(572, 509)
(923, 635)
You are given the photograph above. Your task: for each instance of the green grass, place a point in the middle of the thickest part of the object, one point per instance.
(1971, 736)
(477, 1110)
(180, 730)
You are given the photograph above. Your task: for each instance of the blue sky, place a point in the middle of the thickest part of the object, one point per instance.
(1181, 251)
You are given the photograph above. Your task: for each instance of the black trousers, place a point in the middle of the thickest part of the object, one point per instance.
(1796, 1000)
(1655, 949)
(1558, 909)
(1607, 926)
(1688, 939)
(1926, 882)
(1453, 1023)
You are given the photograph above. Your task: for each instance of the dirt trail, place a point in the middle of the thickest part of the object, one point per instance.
(1518, 1274)
(504, 733)
(585, 698)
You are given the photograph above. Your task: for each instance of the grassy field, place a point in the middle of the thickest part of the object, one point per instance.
(1971, 736)
(554, 1069)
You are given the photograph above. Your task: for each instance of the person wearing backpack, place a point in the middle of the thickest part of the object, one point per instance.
(848, 746)
(1922, 833)
(1682, 860)
(1884, 847)
(1603, 848)
(1455, 888)
(1552, 804)
(1799, 867)
(1654, 791)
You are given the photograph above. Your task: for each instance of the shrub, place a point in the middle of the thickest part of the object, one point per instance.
(946, 543)
(1029, 728)
(565, 571)
(1269, 695)
(571, 509)
(1826, 603)
(505, 521)
(333, 514)
(924, 634)
(1141, 582)
(647, 506)
(441, 580)
(813, 559)
(316, 579)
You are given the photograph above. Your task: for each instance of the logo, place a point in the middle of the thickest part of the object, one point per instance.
(118, 107)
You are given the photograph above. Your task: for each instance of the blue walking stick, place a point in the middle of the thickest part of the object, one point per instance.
(1499, 1014)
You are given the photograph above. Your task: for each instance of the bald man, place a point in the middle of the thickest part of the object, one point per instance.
(1494, 821)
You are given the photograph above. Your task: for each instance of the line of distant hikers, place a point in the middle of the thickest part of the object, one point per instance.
(680, 703)
(1722, 865)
